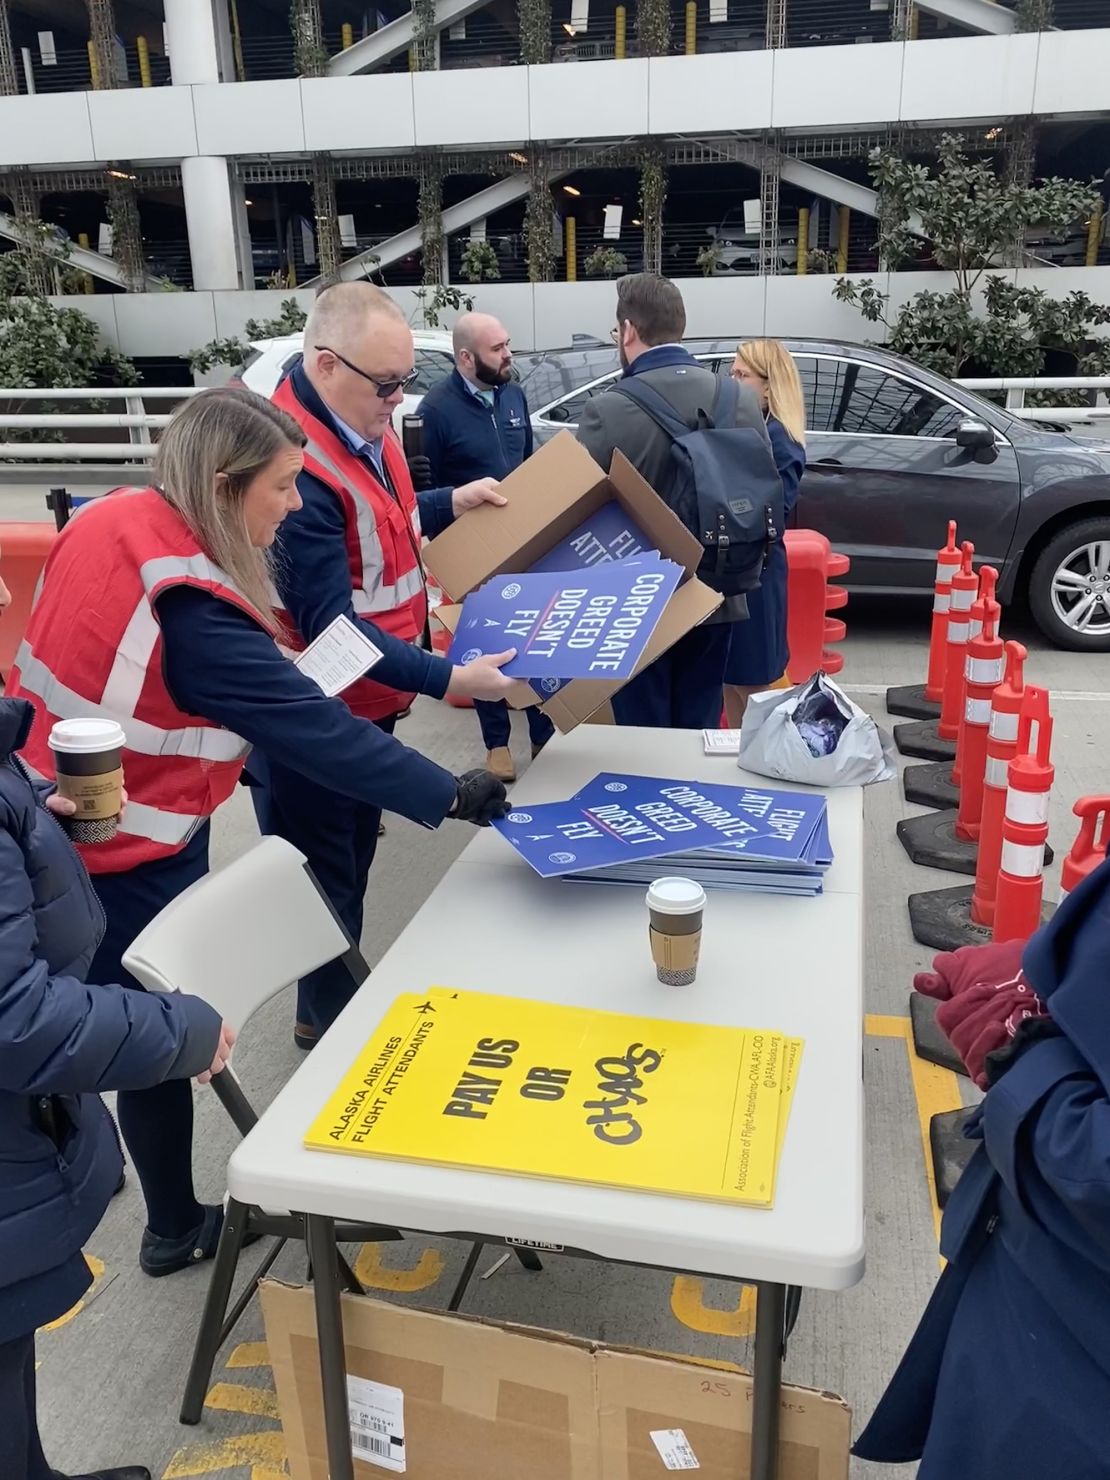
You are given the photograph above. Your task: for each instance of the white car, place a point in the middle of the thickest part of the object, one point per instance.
(271, 359)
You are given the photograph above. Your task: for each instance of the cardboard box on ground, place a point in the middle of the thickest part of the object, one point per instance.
(485, 1401)
(549, 496)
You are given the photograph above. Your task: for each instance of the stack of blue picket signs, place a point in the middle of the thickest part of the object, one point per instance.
(631, 829)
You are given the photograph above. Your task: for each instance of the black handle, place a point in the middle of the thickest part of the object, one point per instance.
(828, 462)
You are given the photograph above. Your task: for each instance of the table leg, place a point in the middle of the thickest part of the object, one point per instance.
(323, 1252)
(770, 1316)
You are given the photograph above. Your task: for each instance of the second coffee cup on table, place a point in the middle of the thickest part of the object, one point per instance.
(676, 907)
(88, 766)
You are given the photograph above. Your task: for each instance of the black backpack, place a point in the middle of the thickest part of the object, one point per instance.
(727, 490)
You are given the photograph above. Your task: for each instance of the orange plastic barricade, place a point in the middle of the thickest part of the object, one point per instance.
(811, 561)
(24, 550)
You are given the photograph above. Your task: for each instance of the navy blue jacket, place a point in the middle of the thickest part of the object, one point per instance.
(1008, 1374)
(220, 663)
(465, 440)
(62, 1040)
(314, 579)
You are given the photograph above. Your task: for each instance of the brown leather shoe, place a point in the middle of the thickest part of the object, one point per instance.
(500, 762)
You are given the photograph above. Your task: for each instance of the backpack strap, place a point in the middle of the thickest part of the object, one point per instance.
(667, 419)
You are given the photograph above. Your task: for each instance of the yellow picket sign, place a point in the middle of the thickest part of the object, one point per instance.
(508, 1085)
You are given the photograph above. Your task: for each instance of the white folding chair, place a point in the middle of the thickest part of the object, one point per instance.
(237, 938)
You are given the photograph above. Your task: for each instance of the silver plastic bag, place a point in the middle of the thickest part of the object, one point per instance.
(814, 734)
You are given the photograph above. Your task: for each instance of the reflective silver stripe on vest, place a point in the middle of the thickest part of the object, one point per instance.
(374, 595)
(173, 829)
(198, 742)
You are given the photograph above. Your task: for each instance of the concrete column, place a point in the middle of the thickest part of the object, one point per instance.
(213, 213)
(199, 41)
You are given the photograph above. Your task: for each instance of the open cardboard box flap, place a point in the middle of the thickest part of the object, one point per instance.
(549, 496)
(487, 1401)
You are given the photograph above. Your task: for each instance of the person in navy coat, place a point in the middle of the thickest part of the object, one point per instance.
(758, 651)
(61, 1042)
(1008, 1374)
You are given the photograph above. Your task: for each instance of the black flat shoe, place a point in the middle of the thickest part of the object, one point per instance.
(162, 1256)
(304, 1037)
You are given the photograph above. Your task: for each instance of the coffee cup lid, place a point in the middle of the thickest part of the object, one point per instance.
(676, 896)
(86, 736)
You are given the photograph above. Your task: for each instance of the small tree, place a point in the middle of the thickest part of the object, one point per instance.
(234, 352)
(479, 262)
(42, 345)
(967, 212)
(431, 302)
(605, 262)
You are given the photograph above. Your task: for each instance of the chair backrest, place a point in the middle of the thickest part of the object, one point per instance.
(239, 936)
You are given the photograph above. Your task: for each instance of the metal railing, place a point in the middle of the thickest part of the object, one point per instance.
(139, 422)
(135, 419)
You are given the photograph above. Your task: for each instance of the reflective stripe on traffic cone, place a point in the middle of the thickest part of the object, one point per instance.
(983, 670)
(965, 584)
(1089, 848)
(948, 563)
(1002, 736)
(1017, 910)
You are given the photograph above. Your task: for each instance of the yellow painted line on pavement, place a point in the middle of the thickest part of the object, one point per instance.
(935, 1090)
(97, 1268)
(879, 1025)
(688, 1306)
(250, 1354)
(264, 1452)
(236, 1397)
(373, 1274)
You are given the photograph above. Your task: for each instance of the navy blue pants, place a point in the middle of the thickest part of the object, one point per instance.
(21, 1456)
(495, 718)
(339, 837)
(682, 690)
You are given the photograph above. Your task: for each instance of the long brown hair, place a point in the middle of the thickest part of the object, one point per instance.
(771, 362)
(234, 432)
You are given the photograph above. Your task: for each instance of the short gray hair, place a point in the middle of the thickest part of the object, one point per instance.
(339, 315)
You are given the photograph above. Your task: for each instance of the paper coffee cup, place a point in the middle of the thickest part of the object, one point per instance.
(675, 906)
(88, 767)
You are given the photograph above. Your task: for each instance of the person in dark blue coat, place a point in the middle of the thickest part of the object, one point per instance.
(758, 652)
(62, 1041)
(476, 425)
(1008, 1374)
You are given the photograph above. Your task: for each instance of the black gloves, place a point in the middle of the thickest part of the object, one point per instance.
(480, 798)
(420, 471)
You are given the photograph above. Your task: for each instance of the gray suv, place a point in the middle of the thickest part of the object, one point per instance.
(895, 451)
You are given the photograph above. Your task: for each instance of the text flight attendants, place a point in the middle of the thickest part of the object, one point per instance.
(476, 425)
(352, 547)
(758, 653)
(155, 611)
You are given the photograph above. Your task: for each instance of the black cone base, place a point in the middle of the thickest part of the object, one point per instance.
(928, 1041)
(931, 785)
(909, 699)
(931, 841)
(921, 739)
(941, 918)
(951, 1149)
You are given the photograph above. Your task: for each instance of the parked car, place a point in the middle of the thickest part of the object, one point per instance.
(271, 359)
(738, 248)
(895, 451)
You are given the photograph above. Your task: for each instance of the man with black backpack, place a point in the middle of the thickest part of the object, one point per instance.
(700, 441)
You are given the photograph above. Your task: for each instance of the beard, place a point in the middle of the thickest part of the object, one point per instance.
(625, 361)
(492, 375)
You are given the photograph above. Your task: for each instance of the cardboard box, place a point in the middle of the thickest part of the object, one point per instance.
(558, 488)
(484, 1401)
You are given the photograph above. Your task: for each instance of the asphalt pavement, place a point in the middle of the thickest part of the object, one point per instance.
(111, 1373)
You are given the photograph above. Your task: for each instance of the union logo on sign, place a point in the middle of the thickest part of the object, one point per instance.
(510, 591)
(520, 816)
(470, 655)
(561, 858)
(615, 786)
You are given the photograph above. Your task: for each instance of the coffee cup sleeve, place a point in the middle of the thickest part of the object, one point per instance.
(674, 952)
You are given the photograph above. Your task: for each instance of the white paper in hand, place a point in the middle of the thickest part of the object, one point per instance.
(338, 657)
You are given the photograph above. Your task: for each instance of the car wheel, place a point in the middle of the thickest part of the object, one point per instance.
(1069, 590)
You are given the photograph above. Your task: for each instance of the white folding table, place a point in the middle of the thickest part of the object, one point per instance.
(784, 963)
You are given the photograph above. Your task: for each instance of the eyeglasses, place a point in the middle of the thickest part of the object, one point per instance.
(615, 334)
(384, 388)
